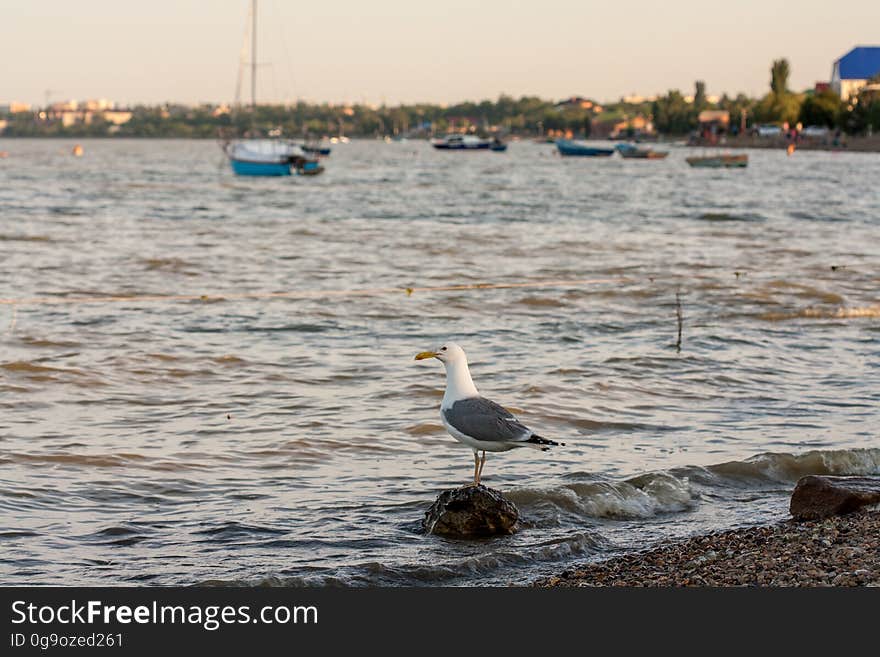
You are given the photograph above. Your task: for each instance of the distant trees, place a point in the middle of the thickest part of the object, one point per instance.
(780, 105)
(779, 73)
(700, 102)
(821, 109)
(862, 115)
(672, 113)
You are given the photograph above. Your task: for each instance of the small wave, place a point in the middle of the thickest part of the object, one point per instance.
(33, 368)
(644, 496)
(424, 429)
(786, 468)
(486, 564)
(25, 238)
(724, 216)
(542, 302)
(840, 312)
(44, 342)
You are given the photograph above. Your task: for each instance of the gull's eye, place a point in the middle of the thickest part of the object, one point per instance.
(442, 348)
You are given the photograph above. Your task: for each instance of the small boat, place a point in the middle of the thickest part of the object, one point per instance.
(461, 143)
(498, 146)
(269, 157)
(569, 147)
(631, 151)
(316, 149)
(726, 161)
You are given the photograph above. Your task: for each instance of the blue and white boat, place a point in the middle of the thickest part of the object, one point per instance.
(264, 157)
(569, 147)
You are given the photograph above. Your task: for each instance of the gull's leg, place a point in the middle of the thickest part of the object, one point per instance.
(476, 469)
(482, 463)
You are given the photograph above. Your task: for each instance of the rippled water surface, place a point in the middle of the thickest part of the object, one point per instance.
(292, 439)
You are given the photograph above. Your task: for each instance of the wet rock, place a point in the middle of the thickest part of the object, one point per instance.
(470, 512)
(816, 497)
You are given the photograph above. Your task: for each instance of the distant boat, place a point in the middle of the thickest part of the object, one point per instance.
(569, 147)
(266, 157)
(269, 157)
(461, 143)
(316, 149)
(631, 151)
(497, 145)
(719, 161)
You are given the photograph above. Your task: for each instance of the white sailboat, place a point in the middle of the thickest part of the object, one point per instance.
(265, 157)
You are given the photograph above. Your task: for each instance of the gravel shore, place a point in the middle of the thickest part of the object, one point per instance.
(839, 551)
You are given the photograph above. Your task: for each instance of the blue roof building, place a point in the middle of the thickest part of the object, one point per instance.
(852, 71)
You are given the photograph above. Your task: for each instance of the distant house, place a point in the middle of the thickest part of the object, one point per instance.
(713, 123)
(632, 127)
(714, 118)
(578, 102)
(852, 71)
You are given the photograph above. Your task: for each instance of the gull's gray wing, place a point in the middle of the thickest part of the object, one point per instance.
(483, 419)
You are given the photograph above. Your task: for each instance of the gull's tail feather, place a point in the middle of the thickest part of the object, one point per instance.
(542, 443)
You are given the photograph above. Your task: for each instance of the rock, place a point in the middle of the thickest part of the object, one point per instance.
(816, 497)
(470, 512)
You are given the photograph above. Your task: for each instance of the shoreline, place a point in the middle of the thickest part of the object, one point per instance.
(837, 551)
(847, 144)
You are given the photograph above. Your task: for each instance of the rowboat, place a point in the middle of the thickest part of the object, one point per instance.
(569, 147)
(719, 161)
(631, 151)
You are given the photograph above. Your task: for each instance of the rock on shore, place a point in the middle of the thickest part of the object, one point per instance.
(817, 497)
(470, 512)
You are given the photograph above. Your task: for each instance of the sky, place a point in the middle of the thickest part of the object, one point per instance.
(396, 51)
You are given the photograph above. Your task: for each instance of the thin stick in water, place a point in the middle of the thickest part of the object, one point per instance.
(680, 320)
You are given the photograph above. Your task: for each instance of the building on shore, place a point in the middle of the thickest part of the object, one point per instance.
(713, 123)
(578, 102)
(73, 112)
(853, 71)
(15, 108)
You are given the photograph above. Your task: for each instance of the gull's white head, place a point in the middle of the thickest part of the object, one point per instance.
(448, 354)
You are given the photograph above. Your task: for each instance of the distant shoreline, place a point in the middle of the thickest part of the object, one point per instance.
(837, 551)
(846, 143)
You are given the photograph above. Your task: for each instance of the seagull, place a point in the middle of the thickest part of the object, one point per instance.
(479, 423)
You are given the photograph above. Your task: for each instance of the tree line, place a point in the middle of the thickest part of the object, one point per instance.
(672, 114)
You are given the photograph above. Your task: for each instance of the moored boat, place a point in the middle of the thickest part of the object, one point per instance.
(461, 143)
(568, 147)
(266, 157)
(318, 148)
(725, 161)
(269, 157)
(631, 151)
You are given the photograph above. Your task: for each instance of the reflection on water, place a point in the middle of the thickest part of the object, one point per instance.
(293, 440)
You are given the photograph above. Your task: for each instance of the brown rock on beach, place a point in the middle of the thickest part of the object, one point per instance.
(816, 497)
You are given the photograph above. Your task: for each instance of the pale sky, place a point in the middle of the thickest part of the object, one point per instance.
(404, 51)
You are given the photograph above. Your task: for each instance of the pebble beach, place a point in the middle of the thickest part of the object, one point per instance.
(837, 551)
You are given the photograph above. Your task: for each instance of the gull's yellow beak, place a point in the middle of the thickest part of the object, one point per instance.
(426, 354)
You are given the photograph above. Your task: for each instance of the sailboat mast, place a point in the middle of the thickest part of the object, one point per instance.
(253, 54)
